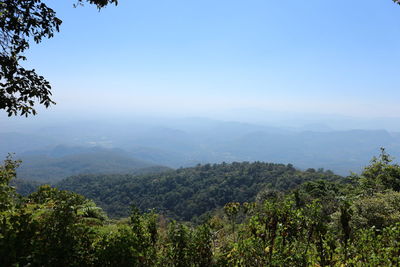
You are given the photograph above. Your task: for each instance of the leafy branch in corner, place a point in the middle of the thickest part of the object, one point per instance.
(23, 21)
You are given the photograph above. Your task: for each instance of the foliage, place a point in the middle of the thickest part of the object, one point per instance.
(7, 193)
(50, 228)
(319, 223)
(380, 210)
(188, 193)
(380, 174)
(22, 22)
(25, 187)
(376, 200)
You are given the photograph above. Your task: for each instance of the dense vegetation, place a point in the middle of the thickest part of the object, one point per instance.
(293, 218)
(25, 187)
(187, 193)
(320, 223)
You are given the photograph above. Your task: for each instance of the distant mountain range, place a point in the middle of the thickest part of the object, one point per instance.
(57, 151)
(62, 161)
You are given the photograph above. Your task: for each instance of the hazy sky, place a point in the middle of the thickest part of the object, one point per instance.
(204, 57)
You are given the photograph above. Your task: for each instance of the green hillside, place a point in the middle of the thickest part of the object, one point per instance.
(187, 193)
(320, 223)
(51, 168)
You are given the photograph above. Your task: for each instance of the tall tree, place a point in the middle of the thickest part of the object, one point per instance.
(20, 22)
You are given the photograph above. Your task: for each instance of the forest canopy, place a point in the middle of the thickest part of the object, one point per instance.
(318, 223)
(188, 193)
(236, 214)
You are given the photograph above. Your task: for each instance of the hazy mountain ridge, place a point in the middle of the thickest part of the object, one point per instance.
(184, 143)
(62, 161)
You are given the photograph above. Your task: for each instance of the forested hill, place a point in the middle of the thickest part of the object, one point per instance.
(187, 193)
(52, 165)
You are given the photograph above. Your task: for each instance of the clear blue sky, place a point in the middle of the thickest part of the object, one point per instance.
(201, 57)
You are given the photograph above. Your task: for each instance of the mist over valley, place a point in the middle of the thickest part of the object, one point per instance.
(52, 151)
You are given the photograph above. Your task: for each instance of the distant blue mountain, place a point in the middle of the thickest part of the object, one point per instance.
(183, 143)
(63, 161)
